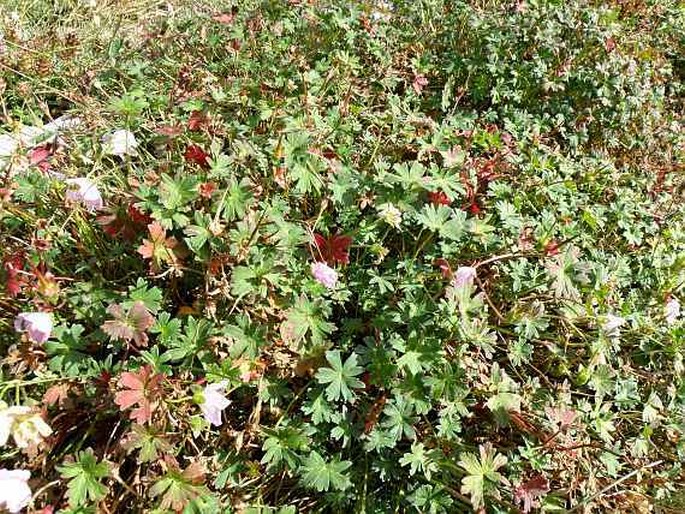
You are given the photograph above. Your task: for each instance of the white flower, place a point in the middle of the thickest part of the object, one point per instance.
(65, 122)
(612, 325)
(7, 416)
(25, 426)
(672, 310)
(8, 145)
(324, 274)
(15, 493)
(120, 142)
(38, 325)
(390, 214)
(85, 192)
(215, 401)
(382, 11)
(30, 430)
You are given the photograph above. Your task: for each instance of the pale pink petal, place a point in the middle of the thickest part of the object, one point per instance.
(324, 274)
(38, 325)
(83, 190)
(464, 276)
(215, 402)
(15, 493)
(672, 311)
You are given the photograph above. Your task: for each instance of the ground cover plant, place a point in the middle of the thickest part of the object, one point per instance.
(327, 256)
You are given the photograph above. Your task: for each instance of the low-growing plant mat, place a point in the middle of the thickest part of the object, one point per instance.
(328, 256)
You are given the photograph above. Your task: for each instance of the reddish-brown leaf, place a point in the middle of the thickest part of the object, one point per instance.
(142, 389)
(197, 120)
(194, 473)
(125, 222)
(56, 394)
(445, 267)
(39, 157)
(439, 198)
(225, 18)
(334, 249)
(529, 491)
(158, 248)
(15, 281)
(207, 189)
(170, 130)
(197, 155)
(129, 326)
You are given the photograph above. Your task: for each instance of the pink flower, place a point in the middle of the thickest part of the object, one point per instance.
(324, 274)
(37, 324)
(85, 192)
(215, 402)
(672, 311)
(464, 277)
(15, 493)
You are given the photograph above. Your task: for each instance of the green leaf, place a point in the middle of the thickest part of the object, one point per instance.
(85, 476)
(236, 200)
(148, 440)
(434, 217)
(304, 319)
(175, 194)
(400, 418)
(194, 338)
(482, 476)
(340, 377)
(283, 446)
(420, 459)
(150, 296)
(178, 489)
(322, 476)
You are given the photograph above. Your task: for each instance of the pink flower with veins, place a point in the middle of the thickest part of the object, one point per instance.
(83, 190)
(215, 402)
(324, 274)
(38, 325)
(464, 276)
(15, 493)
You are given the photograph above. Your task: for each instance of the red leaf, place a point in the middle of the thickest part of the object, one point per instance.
(445, 268)
(39, 157)
(14, 280)
(142, 389)
(609, 44)
(334, 249)
(207, 189)
(197, 155)
(169, 130)
(158, 248)
(552, 248)
(528, 492)
(126, 399)
(56, 394)
(138, 216)
(439, 198)
(474, 209)
(196, 121)
(125, 222)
